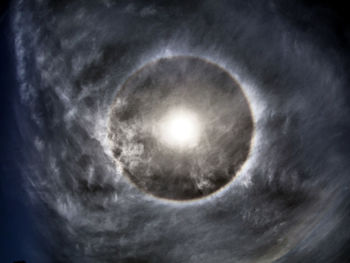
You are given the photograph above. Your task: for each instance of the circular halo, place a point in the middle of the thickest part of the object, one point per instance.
(181, 128)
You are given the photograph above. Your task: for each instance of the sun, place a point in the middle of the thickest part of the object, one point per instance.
(180, 128)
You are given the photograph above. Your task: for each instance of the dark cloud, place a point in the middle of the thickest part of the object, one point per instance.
(288, 204)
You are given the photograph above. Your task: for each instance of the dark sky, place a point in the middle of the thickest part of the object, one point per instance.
(16, 225)
(308, 126)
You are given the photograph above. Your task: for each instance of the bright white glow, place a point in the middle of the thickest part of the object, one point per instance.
(180, 128)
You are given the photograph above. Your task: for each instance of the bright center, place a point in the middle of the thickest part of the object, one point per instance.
(180, 128)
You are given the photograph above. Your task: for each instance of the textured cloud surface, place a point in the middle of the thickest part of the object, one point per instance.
(289, 201)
